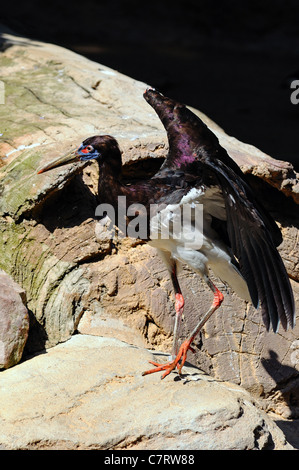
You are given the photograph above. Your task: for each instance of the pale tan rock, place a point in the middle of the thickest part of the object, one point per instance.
(14, 321)
(88, 393)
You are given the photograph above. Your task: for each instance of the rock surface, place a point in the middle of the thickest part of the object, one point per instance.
(76, 281)
(88, 393)
(14, 321)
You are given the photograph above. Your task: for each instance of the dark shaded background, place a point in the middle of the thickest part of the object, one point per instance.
(232, 60)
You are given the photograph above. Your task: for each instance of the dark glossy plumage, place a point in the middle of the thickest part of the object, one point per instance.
(240, 238)
(196, 158)
(252, 233)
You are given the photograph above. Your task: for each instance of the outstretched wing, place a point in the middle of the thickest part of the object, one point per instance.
(252, 233)
(253, 246)
(192, 143)
(188, 136)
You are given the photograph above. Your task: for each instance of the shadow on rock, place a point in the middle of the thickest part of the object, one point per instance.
(287, 391)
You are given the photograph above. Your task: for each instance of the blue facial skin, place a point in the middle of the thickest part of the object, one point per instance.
(87, 156)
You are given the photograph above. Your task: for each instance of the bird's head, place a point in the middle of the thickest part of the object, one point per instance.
(103, 148)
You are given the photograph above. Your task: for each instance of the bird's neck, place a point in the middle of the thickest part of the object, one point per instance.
(109, 180)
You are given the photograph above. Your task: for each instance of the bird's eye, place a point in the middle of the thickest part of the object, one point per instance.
(87, 149)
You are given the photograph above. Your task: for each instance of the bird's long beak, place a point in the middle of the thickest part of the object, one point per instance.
(64, 160)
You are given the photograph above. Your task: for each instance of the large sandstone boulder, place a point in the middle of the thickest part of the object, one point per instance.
(88, 393)
(74, 280)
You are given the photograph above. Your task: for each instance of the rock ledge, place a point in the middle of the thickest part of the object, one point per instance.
(88, 393)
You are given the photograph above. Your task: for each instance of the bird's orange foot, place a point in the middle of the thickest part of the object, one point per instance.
(169, 366)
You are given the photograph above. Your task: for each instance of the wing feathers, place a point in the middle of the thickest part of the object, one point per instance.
(259, 260)
(283, 287)
(252, 233)
(269, 296)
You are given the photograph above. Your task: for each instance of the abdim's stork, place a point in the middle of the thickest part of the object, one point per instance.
(238, 238)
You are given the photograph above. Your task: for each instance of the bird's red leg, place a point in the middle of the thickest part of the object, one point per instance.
(186, 345)
(218, 298)
(179, 309)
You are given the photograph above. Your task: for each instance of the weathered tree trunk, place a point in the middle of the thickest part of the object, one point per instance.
(75, 281)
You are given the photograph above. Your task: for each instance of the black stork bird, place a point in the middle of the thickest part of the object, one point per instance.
(238, 237)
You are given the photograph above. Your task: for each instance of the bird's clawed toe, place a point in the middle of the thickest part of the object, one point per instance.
(170, 366)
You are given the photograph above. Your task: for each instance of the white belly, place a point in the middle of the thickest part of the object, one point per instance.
(212, 254)
(197, 245)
